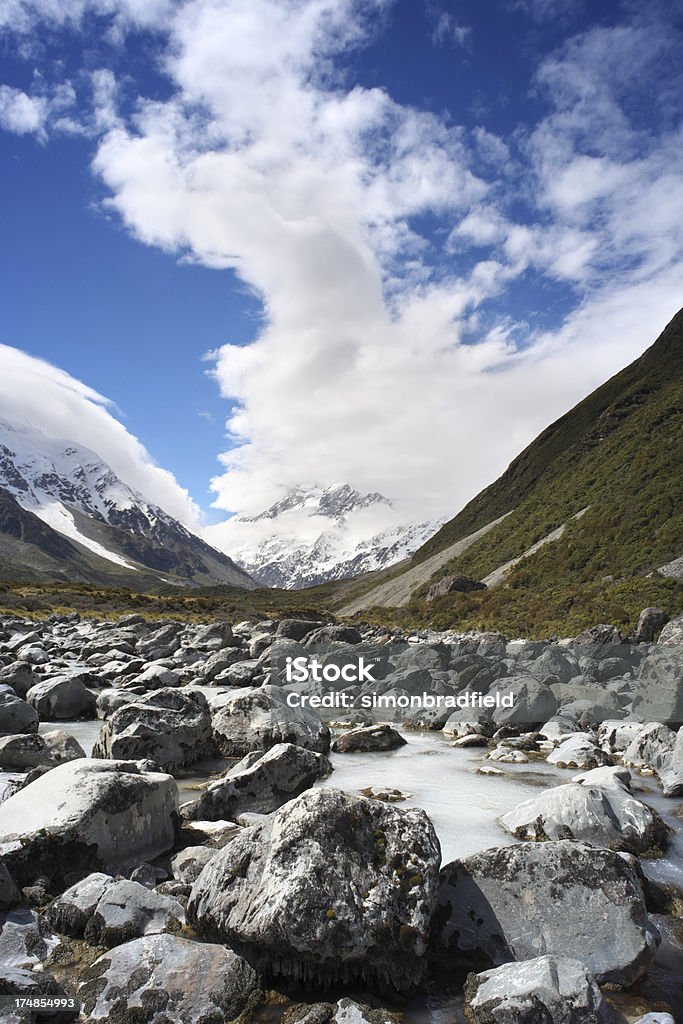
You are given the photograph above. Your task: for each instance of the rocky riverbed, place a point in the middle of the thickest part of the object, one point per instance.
(186, 835)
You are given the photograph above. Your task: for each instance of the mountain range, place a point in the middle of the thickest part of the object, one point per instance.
(65, 515)
(316, 534)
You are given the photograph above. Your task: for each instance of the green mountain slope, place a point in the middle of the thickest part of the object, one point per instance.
(619, 452)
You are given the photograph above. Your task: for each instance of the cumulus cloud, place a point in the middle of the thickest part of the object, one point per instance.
(386, 357)
(35, 393)
(21, 113)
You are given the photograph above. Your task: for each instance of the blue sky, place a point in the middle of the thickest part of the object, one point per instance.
(411, 233)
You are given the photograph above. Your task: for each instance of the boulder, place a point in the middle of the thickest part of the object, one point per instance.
(329, 888)
(16, 716)
(296, 629)
(603, 633)
(658, 693)
(671, 777)
(62, 699)
(165, 979)
(554, 665)
(559, 898)
(650, 622)
(19, 676)
(23, 751)
(547, 988)
(127, 910)
(533, 701)
(25, 939)
(672, 634)
(260, 783)
(62, 746)
(453, 585)
(219, 661)
(579, 751)
(171, 727)
(652, 747)
(334, 634)
(87, 815)
(262, 718)
(156, 677)
(69, 913)
(598, 807)
(614, 735)
(368, 738)
(188, 865)
(214, 637)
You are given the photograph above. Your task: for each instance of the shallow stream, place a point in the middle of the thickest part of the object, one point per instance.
(465, 806)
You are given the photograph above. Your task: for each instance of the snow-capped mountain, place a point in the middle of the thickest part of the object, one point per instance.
(315, 534)
(57, 487)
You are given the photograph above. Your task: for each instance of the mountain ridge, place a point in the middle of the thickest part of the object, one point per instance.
(63, 511)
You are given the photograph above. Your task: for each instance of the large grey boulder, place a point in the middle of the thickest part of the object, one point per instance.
(652, 747)
(127, 910)
(368, 738)
(598, 807)
(188, 865)
(165, 979)
(214, 637)
(69, 913)
(62, 699)
(650, 622)
(614, 735)
(671, 777)
(295, 629)
(658, 694)
(561, 898)
(262, 718)
(672, 634)
(219, 661)
(23, 751)
(260, 783)
(545, 989)
(16, 715)
(30, 750)
(331, 887)
(19, 676)
(25, 938)
(533, 701)
(579, 750)
(171, 727)
(87, 815)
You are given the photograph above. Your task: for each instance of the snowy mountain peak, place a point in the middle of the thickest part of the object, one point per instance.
(76, 494)
(334, 501)
(314, 534)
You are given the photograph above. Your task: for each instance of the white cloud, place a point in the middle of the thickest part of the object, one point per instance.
(37, 394)
(446, 28)
(22, 16)
(21, 113)
(549, 10)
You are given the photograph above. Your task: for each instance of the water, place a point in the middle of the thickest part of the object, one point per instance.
(463, 805)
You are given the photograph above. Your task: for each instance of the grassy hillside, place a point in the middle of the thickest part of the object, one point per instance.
(620, 452)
